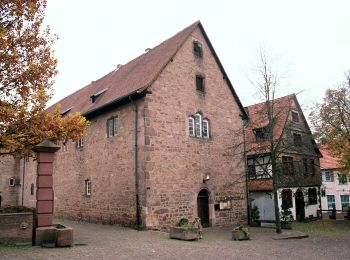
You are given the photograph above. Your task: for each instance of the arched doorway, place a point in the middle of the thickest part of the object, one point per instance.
(299, 205)
(203, 207)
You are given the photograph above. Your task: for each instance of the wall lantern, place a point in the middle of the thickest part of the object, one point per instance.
(206, 178)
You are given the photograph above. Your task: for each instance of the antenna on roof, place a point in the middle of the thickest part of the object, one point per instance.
(147, 49)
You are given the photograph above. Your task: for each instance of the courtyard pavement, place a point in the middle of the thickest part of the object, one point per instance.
(97, 241)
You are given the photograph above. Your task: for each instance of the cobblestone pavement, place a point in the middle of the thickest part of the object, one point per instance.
(96, 241)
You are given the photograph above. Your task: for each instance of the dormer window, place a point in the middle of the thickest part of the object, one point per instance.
(197, 49)
(295, 117)
(96, 95)
(65, 112)
(200, 83)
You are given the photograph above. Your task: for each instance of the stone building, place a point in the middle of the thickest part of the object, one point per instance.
(298, 163)
(157, 147)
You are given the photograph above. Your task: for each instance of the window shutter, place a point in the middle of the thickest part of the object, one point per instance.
(205, 128)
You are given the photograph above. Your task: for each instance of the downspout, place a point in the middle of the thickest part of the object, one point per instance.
(245, 123)
(23, 172)
(137, 197)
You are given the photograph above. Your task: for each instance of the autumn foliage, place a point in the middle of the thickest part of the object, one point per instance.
(331, 121)
(27, 68)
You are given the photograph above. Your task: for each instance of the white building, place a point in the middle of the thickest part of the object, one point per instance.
(335, 184)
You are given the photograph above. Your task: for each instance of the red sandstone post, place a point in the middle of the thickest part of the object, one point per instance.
(44, 196)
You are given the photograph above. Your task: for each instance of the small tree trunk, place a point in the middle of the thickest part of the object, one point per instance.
(275, 193)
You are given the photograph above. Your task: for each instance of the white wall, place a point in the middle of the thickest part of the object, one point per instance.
(334, 188)
(264, 201)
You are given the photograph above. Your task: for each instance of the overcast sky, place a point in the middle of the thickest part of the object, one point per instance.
(309, 40)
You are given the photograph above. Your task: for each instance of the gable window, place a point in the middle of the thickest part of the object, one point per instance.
(287, 198)
(287, 165)
(112, 126)
(87, 187)
(80, 143)
(205, 128)
(197, 49)
(342, 179)
(331, 202)
(297, 139)
(198, 125)
(191, 126)
(305, 166)
(295, 117)
(200, 83)
(344, 199)
(312, 196)
(312, 166)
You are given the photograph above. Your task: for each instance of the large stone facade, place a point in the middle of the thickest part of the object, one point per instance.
(171, 165)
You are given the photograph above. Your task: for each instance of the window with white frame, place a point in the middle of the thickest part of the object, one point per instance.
(198, 126)
(191, 126)
(328, 176)
(331, 202)
(12, 182)
(344, 199)
(205, 128)
(112, 126)
(80, 143)
(88, 187)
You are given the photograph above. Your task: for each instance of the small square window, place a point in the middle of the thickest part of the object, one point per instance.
(297, 139)
(295, 117)
(197, 49)
(200, 83)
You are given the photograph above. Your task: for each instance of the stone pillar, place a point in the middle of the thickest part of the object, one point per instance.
(44, 194)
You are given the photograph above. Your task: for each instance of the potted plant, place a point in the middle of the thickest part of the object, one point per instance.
(255, 216)
(240, 233)
(184, 230)
(286, 217)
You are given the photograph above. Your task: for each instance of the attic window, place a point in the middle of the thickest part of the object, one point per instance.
(197, 49)
(200, 83)
(295, 117)
(96, 95)
(65, 112)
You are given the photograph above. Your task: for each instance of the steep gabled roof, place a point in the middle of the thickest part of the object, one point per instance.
(329, 162)
(134, 77)
(258, 118)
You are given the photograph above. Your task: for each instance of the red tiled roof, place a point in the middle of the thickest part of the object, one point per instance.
(258, 118)
(135, 76)
(329, 161)
(260, 185)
